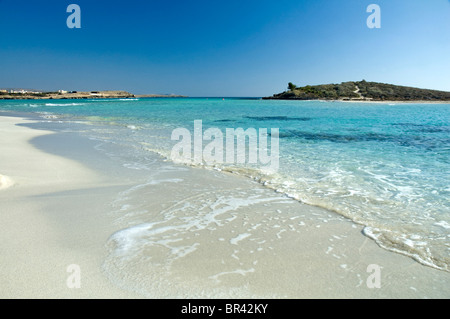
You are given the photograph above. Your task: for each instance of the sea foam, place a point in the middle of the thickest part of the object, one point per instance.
(64, 104)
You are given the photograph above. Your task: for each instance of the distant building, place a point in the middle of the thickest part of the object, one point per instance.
(3, 91)
(62, 91)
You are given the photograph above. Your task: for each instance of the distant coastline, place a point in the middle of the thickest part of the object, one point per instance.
(362, 91)
(159, 95)
(74, 95)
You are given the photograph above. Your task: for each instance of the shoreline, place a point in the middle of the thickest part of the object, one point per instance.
(364, 101)
(85, 96)
(397, 102)
(42, 231)
(68, 96)
(148, 96)
(319, 254)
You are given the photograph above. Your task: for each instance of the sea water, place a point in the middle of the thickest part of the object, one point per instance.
(385, 166)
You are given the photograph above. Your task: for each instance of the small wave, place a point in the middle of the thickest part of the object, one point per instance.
(134, 127)
(401, 244)
(443, 224)
(64, 104)
(48, 115)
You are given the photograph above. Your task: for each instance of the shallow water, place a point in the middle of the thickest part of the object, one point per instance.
(384, 166)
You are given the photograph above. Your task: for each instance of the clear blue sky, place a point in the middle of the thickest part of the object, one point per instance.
(222, 48)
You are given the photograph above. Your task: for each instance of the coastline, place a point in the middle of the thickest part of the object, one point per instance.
(351, 91)
(396, 102)
(365, 101)
(319, 255)
(85, 96)
(126, 95)
(68, 96)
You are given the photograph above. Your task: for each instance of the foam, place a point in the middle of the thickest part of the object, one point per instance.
(234, 241)
(179, 221)
(48, 115)
(65, 104)
(402, 245)
(242, 272)
(443, 224)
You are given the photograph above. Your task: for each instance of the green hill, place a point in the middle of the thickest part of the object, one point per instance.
(360, 91)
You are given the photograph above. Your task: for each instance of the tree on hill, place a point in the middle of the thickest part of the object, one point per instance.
(291, 86)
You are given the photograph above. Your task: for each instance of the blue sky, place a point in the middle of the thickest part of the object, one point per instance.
(222, 48)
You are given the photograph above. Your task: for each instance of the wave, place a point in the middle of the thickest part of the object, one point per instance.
(401, 244)
(48, 115)
(64, 104)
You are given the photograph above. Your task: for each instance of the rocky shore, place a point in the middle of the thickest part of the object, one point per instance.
(361, 91)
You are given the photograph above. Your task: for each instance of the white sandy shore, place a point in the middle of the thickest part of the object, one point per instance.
(50, 194)
(5, 182)
(54, 216)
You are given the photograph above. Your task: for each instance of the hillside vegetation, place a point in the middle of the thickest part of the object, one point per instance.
(362, 90)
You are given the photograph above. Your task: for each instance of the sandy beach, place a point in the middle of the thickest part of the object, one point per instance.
(394, 102)
(49, 221)
(200, 236)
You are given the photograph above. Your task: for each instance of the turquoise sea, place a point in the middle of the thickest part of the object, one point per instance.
(384, 166)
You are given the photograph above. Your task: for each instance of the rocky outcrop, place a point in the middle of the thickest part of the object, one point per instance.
(361, 91)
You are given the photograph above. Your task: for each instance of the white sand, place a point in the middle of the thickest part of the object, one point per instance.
(35, 254)
(5, 182)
